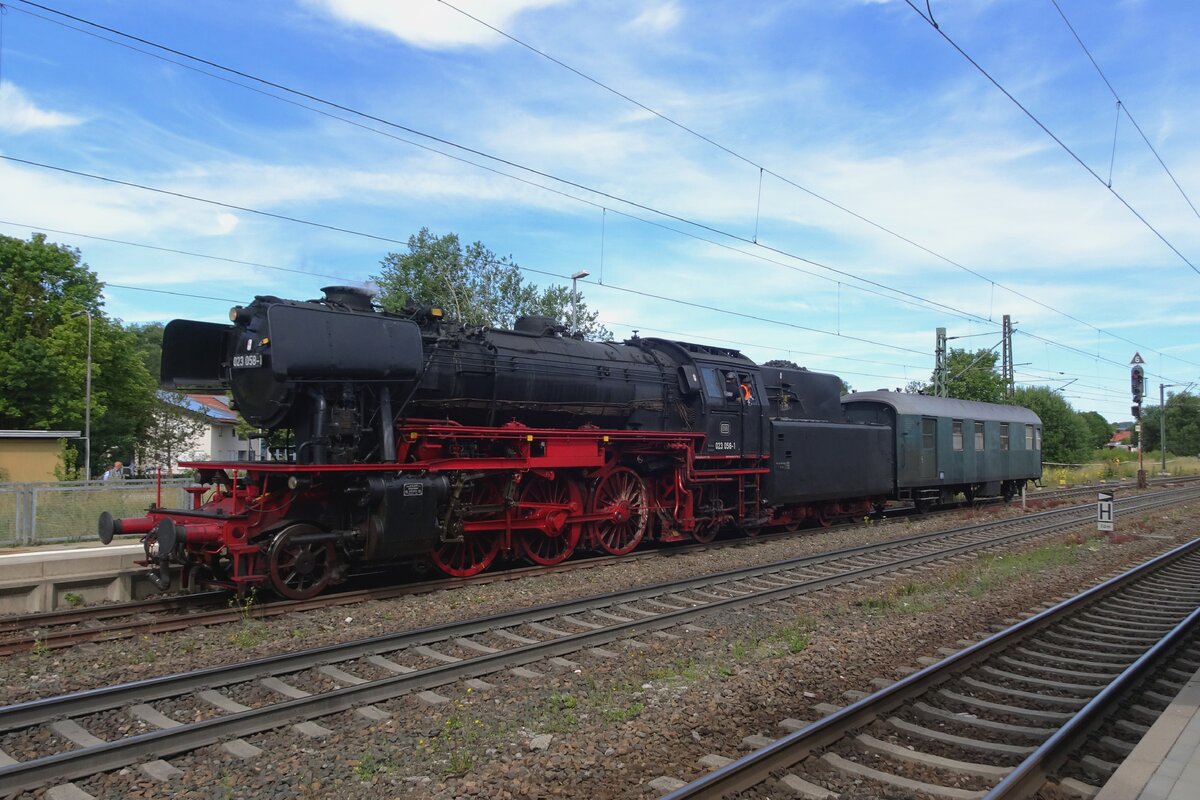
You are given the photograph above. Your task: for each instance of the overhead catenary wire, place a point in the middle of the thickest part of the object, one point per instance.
(1122, 106)
(668, 215)
(1036, 121)
(898, 294)
(762, 169)
(624, 289)
(690, 336)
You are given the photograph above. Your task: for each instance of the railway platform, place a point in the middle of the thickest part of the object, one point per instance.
(1165, 765)
(52, 577)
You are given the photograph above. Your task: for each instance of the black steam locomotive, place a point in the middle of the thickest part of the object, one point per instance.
(420, 439)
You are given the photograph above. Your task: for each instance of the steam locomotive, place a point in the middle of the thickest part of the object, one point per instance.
(421, 440)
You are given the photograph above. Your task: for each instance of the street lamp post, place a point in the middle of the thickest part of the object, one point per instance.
(1162, 427)
(87, 407)
(583, 273)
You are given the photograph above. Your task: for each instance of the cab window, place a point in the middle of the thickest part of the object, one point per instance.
(714, 384)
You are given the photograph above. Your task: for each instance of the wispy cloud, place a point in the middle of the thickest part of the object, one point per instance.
(657, 18)
(431, 25)
(19, 114)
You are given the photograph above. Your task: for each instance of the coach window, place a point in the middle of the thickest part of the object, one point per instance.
(1029, 437)
(1037, 438)
(979, 436)
(1003, 435)
(957, 434)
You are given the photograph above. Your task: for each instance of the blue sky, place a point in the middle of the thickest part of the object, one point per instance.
(861, 103)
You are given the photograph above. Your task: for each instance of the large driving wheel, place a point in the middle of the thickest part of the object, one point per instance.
(300, 562)
(475, 552)
(621, 497)
(552, 501)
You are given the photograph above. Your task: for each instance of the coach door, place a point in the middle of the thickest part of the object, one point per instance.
(927, 471)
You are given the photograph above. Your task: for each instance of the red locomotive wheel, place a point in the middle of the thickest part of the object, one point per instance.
(620, 496)
(300, 569)
(476, 551)
(705, 533)
(471, 556)
(558, 546)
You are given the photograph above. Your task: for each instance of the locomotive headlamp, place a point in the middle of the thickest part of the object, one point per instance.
(296, 482)
(436, 313)
(234, 313)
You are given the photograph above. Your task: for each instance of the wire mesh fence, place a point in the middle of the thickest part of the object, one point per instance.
(43, 513)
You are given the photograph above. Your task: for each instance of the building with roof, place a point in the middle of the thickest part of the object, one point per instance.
(31, 455)
(211, 435)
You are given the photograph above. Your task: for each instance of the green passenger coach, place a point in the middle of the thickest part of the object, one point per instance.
(945, 447)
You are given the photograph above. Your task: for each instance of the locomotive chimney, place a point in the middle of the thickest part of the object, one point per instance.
(349, 297)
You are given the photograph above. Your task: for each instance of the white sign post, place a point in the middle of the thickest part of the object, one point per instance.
(1104, 512)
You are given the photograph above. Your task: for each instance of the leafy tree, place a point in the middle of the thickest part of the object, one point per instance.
(43, 350)
(1100, 432)
(1065, 436)
(149, 337)
(1183, 424)
(973, 376)
(473, 285)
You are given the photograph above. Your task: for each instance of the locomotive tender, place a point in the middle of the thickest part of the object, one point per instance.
(423, 440)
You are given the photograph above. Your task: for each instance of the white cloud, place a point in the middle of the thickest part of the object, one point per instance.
(429, 24)
(657, 18)
(18, 114)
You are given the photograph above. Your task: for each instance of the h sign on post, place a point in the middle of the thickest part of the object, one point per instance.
(1104, 512)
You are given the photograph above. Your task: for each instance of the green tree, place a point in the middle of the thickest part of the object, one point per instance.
(149, 338)
(1100, 432)
(1065, 436)
(473, 286)
(44, 287)
(973, 376)
(1183, 424)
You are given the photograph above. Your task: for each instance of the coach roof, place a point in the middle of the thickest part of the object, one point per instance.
(926, 405)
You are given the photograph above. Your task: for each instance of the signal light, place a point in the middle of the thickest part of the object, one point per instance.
(1136, 381)
(1136, 411)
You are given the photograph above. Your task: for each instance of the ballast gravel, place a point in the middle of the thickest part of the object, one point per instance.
(597, 726)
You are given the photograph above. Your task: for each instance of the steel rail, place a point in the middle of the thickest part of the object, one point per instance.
(90, 701)
(54, 639)
(750, 770)
(1028, 776)
(111, 755)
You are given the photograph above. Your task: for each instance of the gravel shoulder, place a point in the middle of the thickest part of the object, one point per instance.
(609, 724)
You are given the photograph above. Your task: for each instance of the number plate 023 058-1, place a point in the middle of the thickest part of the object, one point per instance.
(248, 360)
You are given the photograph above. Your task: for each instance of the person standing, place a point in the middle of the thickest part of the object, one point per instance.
(115, 474)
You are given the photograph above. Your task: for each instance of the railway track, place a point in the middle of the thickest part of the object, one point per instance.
(52, 630)
(64, 737)
(1075, 685)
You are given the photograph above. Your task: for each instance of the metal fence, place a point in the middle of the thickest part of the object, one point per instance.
(42, 513)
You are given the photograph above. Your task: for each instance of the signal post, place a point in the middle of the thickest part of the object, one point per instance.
(1137, 382)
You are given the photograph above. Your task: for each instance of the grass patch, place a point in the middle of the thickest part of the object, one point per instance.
(990, 571)
(1118, 465)
(249, 632)
(681, 671)
(556, 714)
